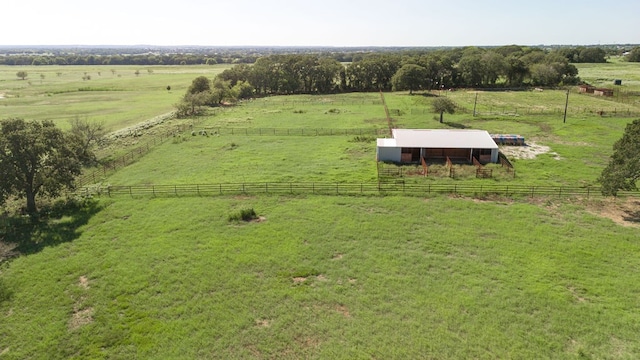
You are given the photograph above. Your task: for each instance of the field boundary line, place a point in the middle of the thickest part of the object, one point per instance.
(346, 189)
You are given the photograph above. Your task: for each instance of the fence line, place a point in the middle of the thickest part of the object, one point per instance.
(533, 110)
(381, 188)
(109, 167)
(214, 130)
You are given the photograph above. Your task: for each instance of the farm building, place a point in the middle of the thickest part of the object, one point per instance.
(435, 145)
(586, 89)
(603, 92)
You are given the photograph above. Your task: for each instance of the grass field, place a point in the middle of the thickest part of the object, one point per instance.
(347, 277)
(114, 95)
(578, 149)
(326, 277)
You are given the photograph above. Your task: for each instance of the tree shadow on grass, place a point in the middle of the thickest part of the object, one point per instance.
(455, 125)
(25, 235)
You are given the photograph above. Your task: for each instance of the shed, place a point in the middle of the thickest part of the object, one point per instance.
(410, 145)
(586, 89)
(603, 92)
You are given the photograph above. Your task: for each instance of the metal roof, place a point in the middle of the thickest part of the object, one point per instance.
(439, 139)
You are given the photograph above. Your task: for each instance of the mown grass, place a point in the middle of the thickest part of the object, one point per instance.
(114, 95)
(328, 277)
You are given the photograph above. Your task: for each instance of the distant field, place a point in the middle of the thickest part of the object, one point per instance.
(114, 95)
(603, 75)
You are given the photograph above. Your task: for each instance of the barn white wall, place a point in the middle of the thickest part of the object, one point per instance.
(389, 154)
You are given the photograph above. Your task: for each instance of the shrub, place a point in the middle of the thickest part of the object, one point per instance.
(360, 138)
(243, 215)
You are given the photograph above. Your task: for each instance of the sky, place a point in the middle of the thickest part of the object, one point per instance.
(339, 23)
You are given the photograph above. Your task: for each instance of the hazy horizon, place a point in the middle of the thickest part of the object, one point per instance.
(332, 23)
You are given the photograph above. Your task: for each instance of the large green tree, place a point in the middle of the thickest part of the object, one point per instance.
(633, 55)
(35, 158)
(623, 170)
(410, 77)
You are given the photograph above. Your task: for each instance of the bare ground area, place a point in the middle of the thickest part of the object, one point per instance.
(528, 151)
(625, 212)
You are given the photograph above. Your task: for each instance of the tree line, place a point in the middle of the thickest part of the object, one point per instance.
(249, 55)
(510, 66)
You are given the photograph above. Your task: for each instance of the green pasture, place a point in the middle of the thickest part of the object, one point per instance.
(349, 277)
(578, 148)
(114, 95)
(604, 75)
(323, 277)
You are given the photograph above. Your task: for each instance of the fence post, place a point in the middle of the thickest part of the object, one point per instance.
(198, 189)
(175, 189)
(130, 194)
(153, 189)
(266, 187)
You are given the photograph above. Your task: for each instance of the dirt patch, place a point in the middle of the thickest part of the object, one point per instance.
(83, 282)
(622, 212)
(80, 318)
(337, 257)
(263, 323)
(321, 278)
(299, 279)
(343, 310)
(577, 294)
(529, 151)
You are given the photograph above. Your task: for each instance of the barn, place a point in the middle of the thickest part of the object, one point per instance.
(436, 145)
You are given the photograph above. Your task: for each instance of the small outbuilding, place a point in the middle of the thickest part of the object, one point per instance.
(435, 145)
(586, 89)
(603, 92)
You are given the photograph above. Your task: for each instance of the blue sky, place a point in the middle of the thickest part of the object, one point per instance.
(320, 22)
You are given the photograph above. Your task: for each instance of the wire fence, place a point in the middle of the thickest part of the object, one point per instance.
(110, 166)
(535, 110)
(212, 130)
(295, 188)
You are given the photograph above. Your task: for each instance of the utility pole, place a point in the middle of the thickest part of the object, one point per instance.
(566, 105)
(474, 105)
